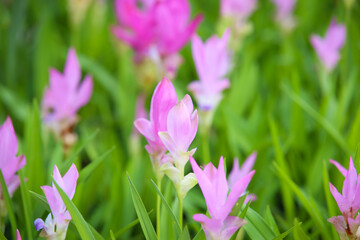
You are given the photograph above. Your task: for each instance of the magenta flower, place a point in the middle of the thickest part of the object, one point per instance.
(57, 222)
(328, 48)
(212, 62)
(237, 173)
(65, 95)
(158, 29)
(9, 162)
(215, 189)
(238, 8)
(284, 9)
(163, 99)
(348, 201)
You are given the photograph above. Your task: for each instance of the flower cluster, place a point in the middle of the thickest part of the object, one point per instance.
(172, 127)
(57, 222)
(348, 224)
(215, 188)
(155, 29)
(64, 97)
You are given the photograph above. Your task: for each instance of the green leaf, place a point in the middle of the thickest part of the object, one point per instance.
(168, 208)
(256, 227)
(271, 221)
(79, 221)
(96, 234)
(144, 219)
(26, 205)
(200, 235)
(9, 205)
(2, 237)
(284, 234)
(85, 172)
(299, 234)
(112, 236)
(129, 226)
(236, 210)
(185, 235)
(40, 199)
(33, 149)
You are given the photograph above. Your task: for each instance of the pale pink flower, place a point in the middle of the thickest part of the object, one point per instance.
(284, 10)
(238, 8)
(328, 48)
(66, 95)
(237, 173)
(212, 62)
(348, 201)
(219, 201)
(9, 162)
(163, 99)
(57, 222)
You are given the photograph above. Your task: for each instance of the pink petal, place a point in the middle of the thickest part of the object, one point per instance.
(145, 127)
(338, 198)
(340, 225)
(342, 170)
(84, 92)
(70, 179)
(231, 225)
(8, 144)
(72, 70)
(18, 236)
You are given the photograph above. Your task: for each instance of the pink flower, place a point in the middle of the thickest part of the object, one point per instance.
(237, 173)
(55, 225)
(182, 124)
(215, 189)
(9, 162)
(328, 48)
(284, 9)
(136, 25)
(212, 62)
(238, 8)
(163, 99)
(65, 95)
(158, 29)
(18, 236)
(348, 201)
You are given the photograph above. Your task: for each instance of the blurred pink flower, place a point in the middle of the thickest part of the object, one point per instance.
(55, 225)
(65, 95)
(238, 8)
(9, 162)
(237, 173)
(284, 9)
(328, 48)
(163, 99)
(215, 189)
(212, 62)
(157, 29)
(348, 201)
(182, 124)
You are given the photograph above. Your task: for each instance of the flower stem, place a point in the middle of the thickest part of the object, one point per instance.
(158, 206)
(180, 211)
(205, 147)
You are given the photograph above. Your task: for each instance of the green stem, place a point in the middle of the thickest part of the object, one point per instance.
(158, 206)
(205, 146)
(180, 211)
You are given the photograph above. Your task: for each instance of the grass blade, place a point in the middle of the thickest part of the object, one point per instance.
(144, 219)
(256, 227)
(9, 205)
(27, 206)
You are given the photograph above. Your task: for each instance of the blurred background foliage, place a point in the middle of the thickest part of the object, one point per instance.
(274, 106)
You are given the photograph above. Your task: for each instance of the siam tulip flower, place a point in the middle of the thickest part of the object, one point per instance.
(57, 222)
(163, 99)
(328, 48)
(64, 97)
(237, 173)
(238, 8)
(348, 202)
(213, 184)
(156, 30)
(182, 124)
(284, 9)
(9, 162)
(212, 62)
